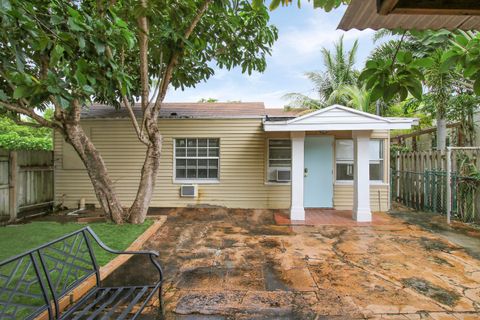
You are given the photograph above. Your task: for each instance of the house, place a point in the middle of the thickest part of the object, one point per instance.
(242, 155)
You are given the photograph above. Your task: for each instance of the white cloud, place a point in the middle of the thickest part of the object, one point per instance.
(302, 33)
(303, 42)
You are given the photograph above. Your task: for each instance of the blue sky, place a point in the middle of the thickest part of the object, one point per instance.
(302, 33)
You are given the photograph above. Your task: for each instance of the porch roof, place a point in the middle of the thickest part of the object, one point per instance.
(339, 117)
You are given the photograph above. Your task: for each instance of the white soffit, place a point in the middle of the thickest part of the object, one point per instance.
(338, 117)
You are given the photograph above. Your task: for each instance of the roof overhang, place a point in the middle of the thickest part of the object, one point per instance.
(339, 118)
(432, 7)
(412, 15)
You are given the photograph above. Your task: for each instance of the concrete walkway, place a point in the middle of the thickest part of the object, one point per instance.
(238, 264)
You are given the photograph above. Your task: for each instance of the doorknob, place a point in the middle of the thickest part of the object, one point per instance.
(305, 172)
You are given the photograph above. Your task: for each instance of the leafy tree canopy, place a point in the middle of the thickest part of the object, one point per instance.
(58, 51)
(399, 67)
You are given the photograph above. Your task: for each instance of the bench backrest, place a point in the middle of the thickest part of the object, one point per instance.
(30, 281)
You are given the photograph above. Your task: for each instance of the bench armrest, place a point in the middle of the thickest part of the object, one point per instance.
(152, 254)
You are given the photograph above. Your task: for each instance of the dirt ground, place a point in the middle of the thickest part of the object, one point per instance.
(237, 264)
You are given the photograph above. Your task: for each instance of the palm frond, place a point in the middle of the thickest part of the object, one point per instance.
(352, 54)
(298, 100)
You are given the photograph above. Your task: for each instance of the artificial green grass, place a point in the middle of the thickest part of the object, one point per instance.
(16, 239)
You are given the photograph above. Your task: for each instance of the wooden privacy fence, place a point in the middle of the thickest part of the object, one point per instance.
(421, 180)
(26, 183)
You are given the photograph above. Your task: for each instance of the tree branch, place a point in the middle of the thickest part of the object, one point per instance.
(127, 105)
(27, 124)
(155, 93)
(167, 75)
(29, 112)
(58, 113)
(140, 134)
(398, 49)
(143, 38)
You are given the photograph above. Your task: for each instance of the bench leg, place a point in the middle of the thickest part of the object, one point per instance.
(161, 310)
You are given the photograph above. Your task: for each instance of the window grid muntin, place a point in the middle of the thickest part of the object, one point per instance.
(212, 158)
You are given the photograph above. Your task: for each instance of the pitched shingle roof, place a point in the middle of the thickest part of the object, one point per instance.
(220, 110)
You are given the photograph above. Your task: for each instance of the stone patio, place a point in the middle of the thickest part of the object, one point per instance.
(239, 264)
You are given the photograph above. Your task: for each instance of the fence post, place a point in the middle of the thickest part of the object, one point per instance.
(397, 169)
(449, 183)
(12, 185)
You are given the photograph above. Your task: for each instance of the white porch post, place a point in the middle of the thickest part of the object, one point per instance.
(361, 182)
(297, 212)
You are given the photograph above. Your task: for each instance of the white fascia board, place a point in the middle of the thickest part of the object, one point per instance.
(340, 107)
(269, 127)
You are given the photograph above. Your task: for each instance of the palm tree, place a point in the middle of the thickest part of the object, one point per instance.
(353, 96)
(339, 70)
(440, 85)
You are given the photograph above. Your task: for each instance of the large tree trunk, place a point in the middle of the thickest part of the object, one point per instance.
(138, 210)
(97, 171)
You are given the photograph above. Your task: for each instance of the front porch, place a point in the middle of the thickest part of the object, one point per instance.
(332, 217)
(313, 155)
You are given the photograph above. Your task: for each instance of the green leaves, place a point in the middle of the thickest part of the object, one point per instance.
(17, 137)
(99, 46)
(21, 92)
(423, 63)
(464, 55)
(327, 5)
(56, 54)
(274, 4)
(394, 79)
(476, 87)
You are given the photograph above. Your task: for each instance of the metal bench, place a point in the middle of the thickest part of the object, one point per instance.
(37, 283)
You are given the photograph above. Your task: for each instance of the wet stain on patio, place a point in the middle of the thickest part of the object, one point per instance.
(237, 264)
(426, 288)
(272, 278)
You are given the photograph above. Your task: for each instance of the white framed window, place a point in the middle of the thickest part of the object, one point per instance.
(279, 160)
(197, 159)
(344, 159)
(376, 160)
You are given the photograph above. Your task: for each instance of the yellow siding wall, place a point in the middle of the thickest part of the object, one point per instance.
(242, 165)
(379, 197)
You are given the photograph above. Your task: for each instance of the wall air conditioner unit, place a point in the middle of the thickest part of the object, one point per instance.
(283, 175)
(189, 191)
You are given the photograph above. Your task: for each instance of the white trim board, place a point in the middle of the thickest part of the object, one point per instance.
(338, 117)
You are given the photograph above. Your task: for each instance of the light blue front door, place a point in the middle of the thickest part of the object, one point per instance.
(318, 187)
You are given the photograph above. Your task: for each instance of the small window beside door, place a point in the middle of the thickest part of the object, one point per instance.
(279, 160)
(344, 160)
